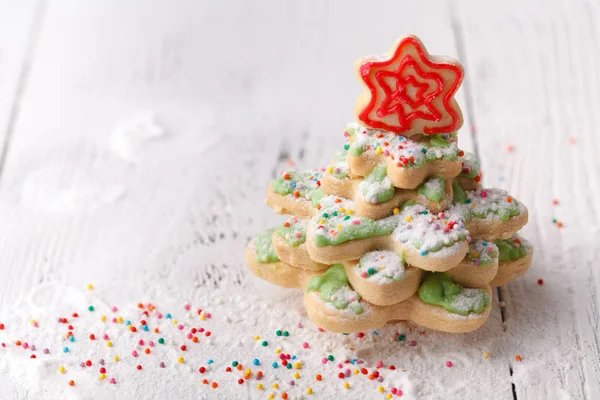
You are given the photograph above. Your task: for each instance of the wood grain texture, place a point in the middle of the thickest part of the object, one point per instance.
(543, 100)
(146, 136)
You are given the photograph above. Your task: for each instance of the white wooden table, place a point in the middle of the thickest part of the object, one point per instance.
(138, 137)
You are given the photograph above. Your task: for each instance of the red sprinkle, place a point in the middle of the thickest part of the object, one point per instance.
(540, 281)
(139, 367)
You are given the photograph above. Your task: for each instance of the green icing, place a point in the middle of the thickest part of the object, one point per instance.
(377, 187)
(459, 196)
(294, 231)
(367, 228)
(439, 290)
(510, 250)
(470, 168)
(356, 150)
(340, 169)
(306, 183)
(263, 244)
(432, 189)
(439, 141)
(334, 288)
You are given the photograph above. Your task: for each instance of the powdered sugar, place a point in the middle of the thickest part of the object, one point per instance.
(381, 267)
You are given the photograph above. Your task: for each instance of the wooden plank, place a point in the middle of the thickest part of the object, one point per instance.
(148, 133)
(18, 22)
(535, 84)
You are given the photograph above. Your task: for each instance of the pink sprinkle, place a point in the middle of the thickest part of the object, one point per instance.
(412, 342)
(113, 309)
(305, 345)
(356, 222)
(400, 393)
(101, 361)
(114, 320)
(347, 372)
(364, 274)
(134, 353)
(141, 342)
(159, 315)
(324, 361)
(339, 365)
(483, 194)
(321, 330)
(105, 336)
(151, 343)
(35, 324)
(180, 327)
(189, 335)
(187, 307)
(25, 345)
(162, 364)
(292, 383)
(448, 364)
(3, 344)
(380, 379)
(379, 364)
(201, 330)
(441, 215)
(33, 347)
(298, 234)
(393, 390)
(300, 325)
(46, 351)
(112, 381)
(207, 315)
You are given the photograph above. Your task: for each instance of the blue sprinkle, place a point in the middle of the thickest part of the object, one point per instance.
(422, 252)
(145, 328)
(66, 349)
(274, 365)
(71, 339)
(168, 316)
(293, 357)
(210, 362)
(484, 243)
(353, 361)
(127, 323)
(376, 333)
(255, 361)
(293, 185)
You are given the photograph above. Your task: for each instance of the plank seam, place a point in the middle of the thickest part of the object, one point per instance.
(23, 78)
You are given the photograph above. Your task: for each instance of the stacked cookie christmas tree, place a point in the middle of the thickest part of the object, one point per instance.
(397, 227)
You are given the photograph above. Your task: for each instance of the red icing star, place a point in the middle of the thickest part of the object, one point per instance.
(411, 92)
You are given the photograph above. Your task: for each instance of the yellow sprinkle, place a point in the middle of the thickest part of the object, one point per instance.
(321, 221)
(271, 396)
(180, 359)
(120, 320)
(346, 385)
(380, 389)
(277, 351)
(109, 344)
(350, 212)
(408, 218)
(275, 386)
(202, 317)
(473, 205)
(309, 391)
(339, 227)
(256, 337)
(388, 396)
(296, 375)
(342, 209)
(102, 376)
(297, 365)
(475, 254)
(486, 354)
(89, 286)
(116, 358)
(259, 386)
(396, 210)
(379, 150)
(330, 169)
(356, 372)
(174, 322)
(103, 318)
(61, 369)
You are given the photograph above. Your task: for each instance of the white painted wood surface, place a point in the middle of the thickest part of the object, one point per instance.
(138, 139)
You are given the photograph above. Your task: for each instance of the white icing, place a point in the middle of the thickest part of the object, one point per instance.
(381, 267)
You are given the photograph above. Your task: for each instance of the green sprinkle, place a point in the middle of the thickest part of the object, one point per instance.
(401, 337)
(91, 308)
(265, 343)
(335, 213)
(278, 333)
(325, 215)
(346, 146)
(346, 218)
(553, 220)
(234, 364)
(289, 365)
(371, 271)
(330, 357)
(286, 333)
(161, 340)
(423, 150)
